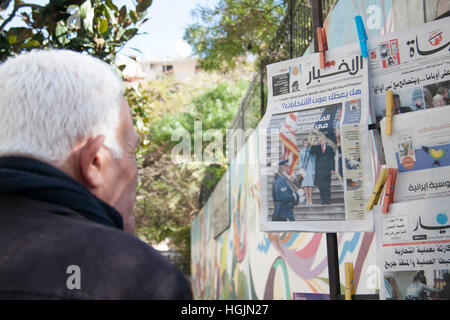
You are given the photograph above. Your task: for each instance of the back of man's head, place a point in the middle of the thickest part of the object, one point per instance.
(50, 99)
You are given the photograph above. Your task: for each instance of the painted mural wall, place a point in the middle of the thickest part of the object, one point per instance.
(244, 263)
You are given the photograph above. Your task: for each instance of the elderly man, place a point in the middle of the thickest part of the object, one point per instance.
(68, 179)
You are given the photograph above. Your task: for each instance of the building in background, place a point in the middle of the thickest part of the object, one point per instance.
(182, 69)
(136, 69)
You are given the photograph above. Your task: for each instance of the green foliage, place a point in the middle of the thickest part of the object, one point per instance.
(97, 27)
(233, 29)
(160, 107)
(213, 174)
(169, 193)
(215, 109)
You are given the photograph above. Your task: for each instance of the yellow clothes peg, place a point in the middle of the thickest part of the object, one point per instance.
(389, 111)
(349, 281)
(375, 196)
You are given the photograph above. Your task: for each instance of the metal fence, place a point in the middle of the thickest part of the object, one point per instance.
(249, 112)
(292, 39)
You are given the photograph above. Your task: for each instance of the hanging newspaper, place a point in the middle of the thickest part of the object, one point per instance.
(419, 76)
(413, 239)
(314, 173)
(419, 148)
(414, 250)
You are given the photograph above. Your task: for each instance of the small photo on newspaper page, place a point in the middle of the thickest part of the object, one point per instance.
(419, 148)
(315, 175)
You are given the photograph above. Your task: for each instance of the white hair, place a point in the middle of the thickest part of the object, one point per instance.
(50, 99)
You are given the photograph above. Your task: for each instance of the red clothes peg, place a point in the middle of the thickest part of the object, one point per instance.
(323, 48)
(323, 45)
(389, 189)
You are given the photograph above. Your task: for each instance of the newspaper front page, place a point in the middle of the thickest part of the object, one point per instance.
(414, 250)
(315, 175)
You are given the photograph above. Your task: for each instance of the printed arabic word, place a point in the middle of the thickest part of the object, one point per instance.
(412, 263)
(357, 64)
(412, 48)
(429, 185)
(441, 228)
(320, 100)
(313, 119)
(435, 128)
(412, 81)
(402, 251)
(305, 127)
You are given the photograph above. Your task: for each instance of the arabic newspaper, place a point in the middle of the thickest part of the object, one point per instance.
(414, 243)
(413, 239)
(314, 175)
(415, 65)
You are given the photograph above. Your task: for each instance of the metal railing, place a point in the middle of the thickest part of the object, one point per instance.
(249, 113)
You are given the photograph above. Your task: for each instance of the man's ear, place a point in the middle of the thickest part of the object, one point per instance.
(91, 162)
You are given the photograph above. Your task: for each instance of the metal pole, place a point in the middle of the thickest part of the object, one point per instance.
(291, 22)
(333, 266)
(332, 246)
(317, 20)
(261, 83)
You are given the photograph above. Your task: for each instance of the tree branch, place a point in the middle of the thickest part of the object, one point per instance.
(18, 6)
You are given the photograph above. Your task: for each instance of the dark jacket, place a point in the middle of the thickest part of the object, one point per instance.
(41, 237)
(324, 161)
(284, 198)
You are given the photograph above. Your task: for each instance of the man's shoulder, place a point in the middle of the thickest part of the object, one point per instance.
(330, 148)
(127, 264)
(133, 266)
(113, 264)
(280, 180)
(315, 148)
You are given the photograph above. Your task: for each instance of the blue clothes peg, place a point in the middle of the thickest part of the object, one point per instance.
(362, 35)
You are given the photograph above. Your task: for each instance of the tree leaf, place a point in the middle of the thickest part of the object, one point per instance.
(111, 5)
(120, 33)
(4, 4)
(134, 17)
(12, 39)
(31, 44)
(87, 15)
(60, 30)
(103, 25)
(130, 33)
(99, 34)
(142, 22)
(143, 5)
(122, 13)
(109, 14)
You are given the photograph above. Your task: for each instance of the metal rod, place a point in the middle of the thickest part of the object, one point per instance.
(317, 20)
(333, 266)
(261, 81)
(291, 21)
(332, 246)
